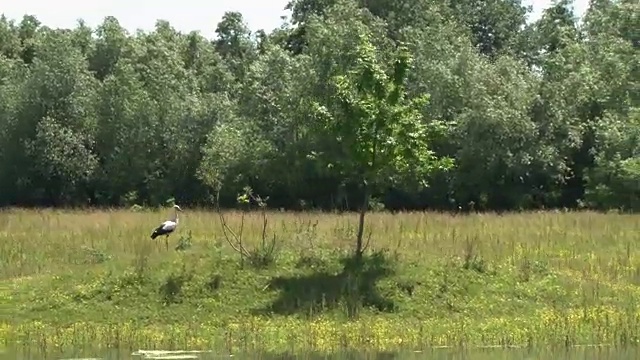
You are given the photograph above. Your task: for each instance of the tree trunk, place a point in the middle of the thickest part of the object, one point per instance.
(363, 213)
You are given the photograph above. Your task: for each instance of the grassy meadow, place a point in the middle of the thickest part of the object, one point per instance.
(79, 278)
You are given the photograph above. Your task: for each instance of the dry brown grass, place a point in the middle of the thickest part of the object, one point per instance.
(50, 240)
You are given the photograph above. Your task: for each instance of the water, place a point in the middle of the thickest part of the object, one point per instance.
(582, 353)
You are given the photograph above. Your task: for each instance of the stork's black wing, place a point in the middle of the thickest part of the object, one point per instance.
(160, 230)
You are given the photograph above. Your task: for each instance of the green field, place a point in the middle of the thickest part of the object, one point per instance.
(70, 279)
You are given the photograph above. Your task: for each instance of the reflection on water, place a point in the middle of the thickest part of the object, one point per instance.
(582, 353)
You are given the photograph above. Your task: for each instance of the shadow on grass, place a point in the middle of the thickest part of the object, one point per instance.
(352, 288)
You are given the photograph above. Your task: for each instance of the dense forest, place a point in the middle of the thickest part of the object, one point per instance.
(528, 115)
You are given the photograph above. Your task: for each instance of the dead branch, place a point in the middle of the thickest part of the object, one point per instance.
(228, 232)
(235, 240)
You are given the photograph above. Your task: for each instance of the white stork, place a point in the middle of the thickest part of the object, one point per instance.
(167, 227)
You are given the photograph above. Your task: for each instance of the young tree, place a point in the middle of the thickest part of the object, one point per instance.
(379, 131)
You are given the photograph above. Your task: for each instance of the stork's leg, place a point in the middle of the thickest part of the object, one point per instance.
(166, 242)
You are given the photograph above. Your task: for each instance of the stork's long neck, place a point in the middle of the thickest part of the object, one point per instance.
(175, 216)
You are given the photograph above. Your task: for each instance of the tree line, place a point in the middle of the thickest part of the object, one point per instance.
(493, 112)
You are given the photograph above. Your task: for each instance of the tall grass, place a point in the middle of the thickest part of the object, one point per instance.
(70, 278)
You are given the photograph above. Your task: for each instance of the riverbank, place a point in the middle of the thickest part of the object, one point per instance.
(537, 279)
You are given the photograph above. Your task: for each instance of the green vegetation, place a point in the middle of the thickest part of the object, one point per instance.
(540, 279)
(364, 105)
(533, 115)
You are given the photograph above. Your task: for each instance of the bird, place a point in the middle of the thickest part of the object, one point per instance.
(167, 227)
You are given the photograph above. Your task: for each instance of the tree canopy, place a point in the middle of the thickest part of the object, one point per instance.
(464, 96)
